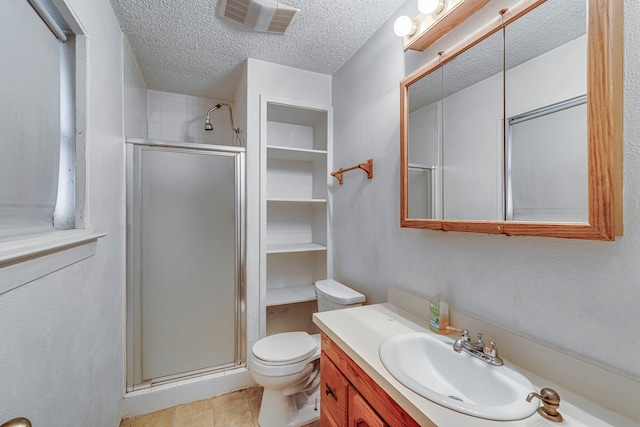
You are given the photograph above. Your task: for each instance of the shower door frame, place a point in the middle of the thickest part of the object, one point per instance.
(134, 147)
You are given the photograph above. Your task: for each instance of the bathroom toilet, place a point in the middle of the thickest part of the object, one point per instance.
(287, 365)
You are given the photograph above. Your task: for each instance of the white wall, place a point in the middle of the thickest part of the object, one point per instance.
(135, 96)
(472, 152)
(580, 296)
(62, 351)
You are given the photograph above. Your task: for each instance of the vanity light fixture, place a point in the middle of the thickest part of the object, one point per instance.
(436, 18)
(407, 27)
(431, 6)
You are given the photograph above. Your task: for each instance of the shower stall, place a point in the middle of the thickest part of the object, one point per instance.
(185, 260)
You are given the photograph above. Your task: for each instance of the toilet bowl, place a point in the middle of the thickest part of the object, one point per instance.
(287, 365)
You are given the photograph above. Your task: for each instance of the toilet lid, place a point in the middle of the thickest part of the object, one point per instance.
(338, 293)
(287, 347)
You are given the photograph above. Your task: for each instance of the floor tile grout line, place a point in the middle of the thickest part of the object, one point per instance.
(246, 397)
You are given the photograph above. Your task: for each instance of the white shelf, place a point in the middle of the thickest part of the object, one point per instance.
(295, 114)
(294, 247)
(297, 154)
(294, 200)
(290, 295)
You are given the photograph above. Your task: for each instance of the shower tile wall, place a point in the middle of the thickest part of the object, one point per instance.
(176, 117)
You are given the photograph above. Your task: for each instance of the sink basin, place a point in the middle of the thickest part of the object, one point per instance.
(427, 364)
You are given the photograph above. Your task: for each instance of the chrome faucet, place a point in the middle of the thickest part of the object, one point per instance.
(486, 352)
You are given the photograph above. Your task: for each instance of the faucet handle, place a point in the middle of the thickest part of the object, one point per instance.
(479, 343)
(491, 352)
(459, 343)
(490, 349)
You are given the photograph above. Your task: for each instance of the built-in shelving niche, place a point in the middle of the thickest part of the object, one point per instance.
(295, 139)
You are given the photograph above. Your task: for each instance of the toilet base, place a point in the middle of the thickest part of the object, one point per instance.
(277, 410)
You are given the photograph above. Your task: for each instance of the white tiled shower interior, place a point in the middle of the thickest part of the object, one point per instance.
(176, 117)
(167, 116)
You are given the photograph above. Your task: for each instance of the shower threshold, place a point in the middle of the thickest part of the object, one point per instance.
(195, 375)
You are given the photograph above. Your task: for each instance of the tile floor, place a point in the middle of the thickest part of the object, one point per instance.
(236, 409)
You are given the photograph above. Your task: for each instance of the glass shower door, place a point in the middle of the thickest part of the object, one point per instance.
(186, 260)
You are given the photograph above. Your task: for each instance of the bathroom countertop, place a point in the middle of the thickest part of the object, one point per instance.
(359, 331)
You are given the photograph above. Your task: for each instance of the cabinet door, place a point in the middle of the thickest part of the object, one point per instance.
(334, 389)
(360, 413)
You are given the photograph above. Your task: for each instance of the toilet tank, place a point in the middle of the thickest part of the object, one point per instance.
(333, 295)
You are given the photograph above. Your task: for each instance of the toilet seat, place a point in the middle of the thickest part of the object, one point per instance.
(287, 365)
(284, 348)
(287, 353)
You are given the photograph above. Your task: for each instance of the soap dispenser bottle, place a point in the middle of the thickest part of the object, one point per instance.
(439, 314)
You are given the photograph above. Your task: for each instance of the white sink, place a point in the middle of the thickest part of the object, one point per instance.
(427, 364)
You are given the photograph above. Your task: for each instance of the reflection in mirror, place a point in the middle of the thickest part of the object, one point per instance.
(547, 166)
(546, 86)
(473, 143)
(425, 147)
(523, 135)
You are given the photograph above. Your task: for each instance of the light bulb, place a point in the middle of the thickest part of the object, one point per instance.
(404, 26)
(430, 6)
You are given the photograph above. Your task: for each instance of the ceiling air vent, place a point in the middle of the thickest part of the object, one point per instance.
(265, 16)
(236, 10)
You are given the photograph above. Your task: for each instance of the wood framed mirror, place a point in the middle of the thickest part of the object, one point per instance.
(545, 158)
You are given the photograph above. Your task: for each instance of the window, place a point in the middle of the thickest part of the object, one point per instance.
(37, 120)
(43, 90)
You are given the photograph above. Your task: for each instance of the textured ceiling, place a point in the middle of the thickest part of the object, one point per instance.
(184, 46)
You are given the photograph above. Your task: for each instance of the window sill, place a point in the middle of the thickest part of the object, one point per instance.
(24, 260)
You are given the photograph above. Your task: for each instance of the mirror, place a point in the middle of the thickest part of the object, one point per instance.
(546, 114)
(514, 132)
(472, 144)
(425, 147)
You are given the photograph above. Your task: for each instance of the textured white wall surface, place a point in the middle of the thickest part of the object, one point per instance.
(579, 296)
(62, 336)
(135, 96)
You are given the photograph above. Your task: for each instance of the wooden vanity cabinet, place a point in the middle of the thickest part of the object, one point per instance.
(351, 398)
(334, 400)
(361, 414)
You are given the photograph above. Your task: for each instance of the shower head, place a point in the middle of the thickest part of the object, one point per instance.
(207, 122)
